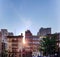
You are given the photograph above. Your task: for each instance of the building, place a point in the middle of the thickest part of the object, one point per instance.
(10, 34)
(35, 43)
(28, 39)
(0, 43)
(4, 38)
(32, 41)
(4, 34)
(15, 45)
(44, 31)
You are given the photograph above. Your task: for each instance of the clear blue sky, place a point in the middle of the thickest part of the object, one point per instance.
(20, 15)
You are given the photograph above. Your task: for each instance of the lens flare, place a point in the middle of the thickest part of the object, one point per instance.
(24, 38)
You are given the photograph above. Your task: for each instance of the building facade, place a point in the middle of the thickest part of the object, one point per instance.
(36, 43)
(4, 34)
(44, 31)
(14, 45)
(32, 41)
(10, 34)
(0, 43)
(28, 39)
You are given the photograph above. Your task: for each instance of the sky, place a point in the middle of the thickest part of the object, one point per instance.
(20, 15)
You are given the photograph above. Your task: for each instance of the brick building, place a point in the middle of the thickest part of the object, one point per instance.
(35, 43)
(28, 39)
(14, 45)
(32, 41)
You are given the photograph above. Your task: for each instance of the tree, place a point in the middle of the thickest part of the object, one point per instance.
(48, 45)
(4, 54)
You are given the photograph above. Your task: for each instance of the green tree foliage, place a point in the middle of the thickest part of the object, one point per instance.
(48, 45)
(4, 54)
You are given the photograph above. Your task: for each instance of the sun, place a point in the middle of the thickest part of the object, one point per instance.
(24, 38)
(24, 41)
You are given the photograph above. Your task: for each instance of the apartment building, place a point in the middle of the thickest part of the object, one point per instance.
(28, 39)
(36, 43)
(0, 43)
(15, 45)
(32, 41)
(44, 31)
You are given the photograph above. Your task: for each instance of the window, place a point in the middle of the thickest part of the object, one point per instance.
(14, 44)
(14, 40)
(35, 42)
(35, 38)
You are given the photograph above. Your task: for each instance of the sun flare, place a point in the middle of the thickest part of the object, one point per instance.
(24, 38)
